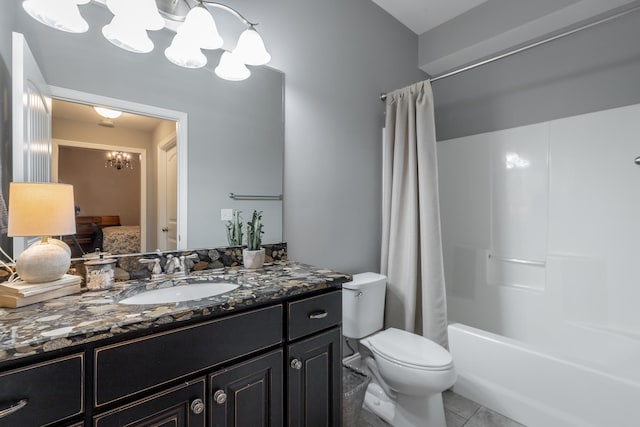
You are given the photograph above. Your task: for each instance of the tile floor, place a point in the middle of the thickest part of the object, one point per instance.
(459, 412)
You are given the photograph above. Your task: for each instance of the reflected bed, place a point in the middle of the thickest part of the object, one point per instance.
(121, 239)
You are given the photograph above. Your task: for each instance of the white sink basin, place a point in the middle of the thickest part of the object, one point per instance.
(179, 293)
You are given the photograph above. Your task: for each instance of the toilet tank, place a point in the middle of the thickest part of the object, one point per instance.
(363, 305)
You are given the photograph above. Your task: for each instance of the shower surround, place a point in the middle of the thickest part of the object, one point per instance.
(541, 232)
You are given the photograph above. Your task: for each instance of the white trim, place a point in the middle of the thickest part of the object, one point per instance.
(181, 119)
(55, 153)
(161, 155)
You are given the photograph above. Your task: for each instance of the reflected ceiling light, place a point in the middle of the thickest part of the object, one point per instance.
(232, 68)
(62, 15)
(196, 30)
(108, 113)
(515, 161)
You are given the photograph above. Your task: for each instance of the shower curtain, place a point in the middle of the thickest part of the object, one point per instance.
(411, 256)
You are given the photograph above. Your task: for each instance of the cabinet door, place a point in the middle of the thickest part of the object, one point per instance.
(180, 406)
(248, 394)
(315, 381)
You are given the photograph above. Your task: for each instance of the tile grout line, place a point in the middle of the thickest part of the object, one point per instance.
(472, 415)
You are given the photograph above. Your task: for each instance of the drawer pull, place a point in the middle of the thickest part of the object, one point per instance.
(14, 408)
(197, 406)
(318, 315)
(296, 364)
(220, 397)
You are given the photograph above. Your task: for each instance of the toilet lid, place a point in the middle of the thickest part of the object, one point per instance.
(409, 349)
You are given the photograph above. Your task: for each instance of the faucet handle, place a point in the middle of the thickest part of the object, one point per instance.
(183, 264)
(170, 265)
(156, 270)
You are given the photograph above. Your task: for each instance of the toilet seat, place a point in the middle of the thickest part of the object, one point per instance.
(410, 350)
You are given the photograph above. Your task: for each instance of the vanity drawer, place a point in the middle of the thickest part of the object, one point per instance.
(126, 368)
(49, 391)
(313, 314)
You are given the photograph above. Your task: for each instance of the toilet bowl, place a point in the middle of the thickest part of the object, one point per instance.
(409, 371)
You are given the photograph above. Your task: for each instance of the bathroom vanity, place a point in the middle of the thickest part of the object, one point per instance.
(265, 354)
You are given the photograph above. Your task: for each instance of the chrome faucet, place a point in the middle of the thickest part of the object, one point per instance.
(177, 266)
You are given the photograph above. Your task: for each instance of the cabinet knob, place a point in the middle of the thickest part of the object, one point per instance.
(296, 364)
(197, 406)
(220, 397)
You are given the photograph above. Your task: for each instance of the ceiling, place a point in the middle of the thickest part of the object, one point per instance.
(86, 114)
(454, 33)
(422, 15)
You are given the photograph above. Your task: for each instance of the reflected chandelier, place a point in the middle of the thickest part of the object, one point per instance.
(133, 18)
(118, 160)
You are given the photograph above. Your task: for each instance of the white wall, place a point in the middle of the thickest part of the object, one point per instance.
(570, 204)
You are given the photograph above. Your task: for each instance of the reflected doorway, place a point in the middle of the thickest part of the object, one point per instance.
(128, 194)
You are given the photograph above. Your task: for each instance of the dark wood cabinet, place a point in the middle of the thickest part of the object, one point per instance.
(315, 381)
(180, 406)
(130, 367)
(276, 365)
(42, 393)
(248, 394)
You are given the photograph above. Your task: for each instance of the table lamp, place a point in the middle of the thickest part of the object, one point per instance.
(42, 209)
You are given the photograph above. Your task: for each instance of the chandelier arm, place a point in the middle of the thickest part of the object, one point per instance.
(228, 9)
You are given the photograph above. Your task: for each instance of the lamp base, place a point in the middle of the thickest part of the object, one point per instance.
(44, 261)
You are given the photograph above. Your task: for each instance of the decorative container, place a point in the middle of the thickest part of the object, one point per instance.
(100, 273)
(253, 259)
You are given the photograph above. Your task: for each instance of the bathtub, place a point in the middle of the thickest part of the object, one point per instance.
(540, 389)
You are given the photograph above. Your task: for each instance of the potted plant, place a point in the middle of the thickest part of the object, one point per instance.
(253, 256)
(234, 229)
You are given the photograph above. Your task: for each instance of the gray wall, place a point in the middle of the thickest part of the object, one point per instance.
(595, 69)
(337, 57)
(6, 18)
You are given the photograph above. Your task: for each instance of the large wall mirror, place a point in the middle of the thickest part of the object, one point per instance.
(235, 131)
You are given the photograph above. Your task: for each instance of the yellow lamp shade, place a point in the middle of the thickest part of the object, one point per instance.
(41, 209)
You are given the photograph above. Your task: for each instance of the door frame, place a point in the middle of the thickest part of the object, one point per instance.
(181, 119)
(163, 145)
(56, 143)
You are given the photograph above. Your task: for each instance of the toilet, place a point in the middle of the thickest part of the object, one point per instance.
(409, 372)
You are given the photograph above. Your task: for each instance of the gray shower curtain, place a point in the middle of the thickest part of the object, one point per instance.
(411, 255)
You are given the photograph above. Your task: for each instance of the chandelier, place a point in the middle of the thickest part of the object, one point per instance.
(196, 30)
(118, 160)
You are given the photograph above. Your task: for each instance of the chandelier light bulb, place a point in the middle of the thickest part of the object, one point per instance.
(200, 28)
(142, 13)
(232, 68)
(62, 15)
(250, 48)
(131, 20)
(185, 54)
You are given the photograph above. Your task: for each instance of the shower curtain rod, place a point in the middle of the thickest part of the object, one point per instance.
(383, 96)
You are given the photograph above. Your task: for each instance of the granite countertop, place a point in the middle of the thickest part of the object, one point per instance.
(95, 315)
